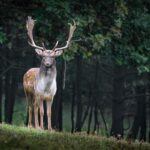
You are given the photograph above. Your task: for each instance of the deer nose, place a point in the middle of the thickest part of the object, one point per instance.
(47, 64)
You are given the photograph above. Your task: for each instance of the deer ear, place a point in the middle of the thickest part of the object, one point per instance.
(58, 53)
(39, 52)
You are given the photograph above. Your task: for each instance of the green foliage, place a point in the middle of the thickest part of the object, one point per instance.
(118, 30)
(130, 36)
(99, 41)
(13, 138)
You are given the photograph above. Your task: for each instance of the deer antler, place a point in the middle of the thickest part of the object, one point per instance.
(71, 32)
(30, 25)
(55, 46)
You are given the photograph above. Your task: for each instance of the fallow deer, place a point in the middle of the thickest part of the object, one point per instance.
(40, 83)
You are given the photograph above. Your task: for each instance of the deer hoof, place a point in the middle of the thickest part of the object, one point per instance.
(51, 130)
(41, 128)
(38, 128)
(30, 126)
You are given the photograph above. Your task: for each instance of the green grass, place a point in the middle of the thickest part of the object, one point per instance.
(22, 138)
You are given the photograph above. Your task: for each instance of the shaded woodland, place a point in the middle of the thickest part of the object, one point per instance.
(105, 69)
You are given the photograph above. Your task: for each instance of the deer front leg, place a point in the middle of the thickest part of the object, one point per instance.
(41, 113)
(49, 104)
(30, 117)
(36, 107)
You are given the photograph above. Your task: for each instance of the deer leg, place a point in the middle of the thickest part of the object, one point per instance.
(49, 104)
(30, 117)
(29, 109)
(41, 113)
(36, 108)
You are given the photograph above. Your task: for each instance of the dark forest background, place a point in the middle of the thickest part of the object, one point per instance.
(103, 78)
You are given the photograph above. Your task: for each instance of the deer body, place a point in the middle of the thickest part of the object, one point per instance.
(40, 83)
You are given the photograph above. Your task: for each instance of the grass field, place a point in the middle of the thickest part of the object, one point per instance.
(21, 138)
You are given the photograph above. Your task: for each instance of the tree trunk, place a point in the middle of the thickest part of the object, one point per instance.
(149, 112)
(87, 107)
(1, 96)
(78, 93)
(90, 119)
(12, 97)
(143, 118)
(118, 103)
(139, 123)
(104, 121)
(95, 97)
(96, 122)
(7, 95)
(72, 107)
(57, 108)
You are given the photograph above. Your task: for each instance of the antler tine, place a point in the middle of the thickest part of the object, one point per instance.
(55, 45)
(72, 29)
(71, 32)
(30, 25)
(43, 46)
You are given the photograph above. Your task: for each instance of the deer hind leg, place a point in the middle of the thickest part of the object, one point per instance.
(36, 108)
(41, 113)
(29, 108)
(49, 105)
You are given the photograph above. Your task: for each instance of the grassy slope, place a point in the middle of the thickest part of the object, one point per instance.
(21, 138)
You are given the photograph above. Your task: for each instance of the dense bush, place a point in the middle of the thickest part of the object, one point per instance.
(20, 138)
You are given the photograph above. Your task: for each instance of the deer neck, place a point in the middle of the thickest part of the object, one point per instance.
(47, 72)
(46, 81)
